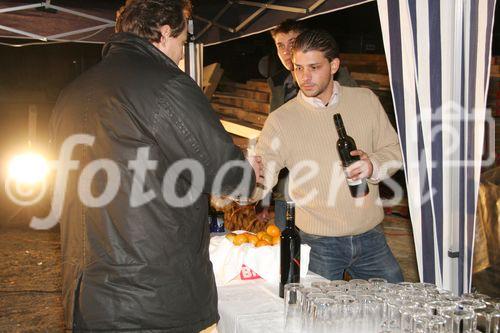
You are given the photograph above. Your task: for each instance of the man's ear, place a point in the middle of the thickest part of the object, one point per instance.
(334, 65)
(165, 31)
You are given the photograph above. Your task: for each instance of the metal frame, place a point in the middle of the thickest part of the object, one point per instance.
(271, 6)
(57, 37)
(261, 8)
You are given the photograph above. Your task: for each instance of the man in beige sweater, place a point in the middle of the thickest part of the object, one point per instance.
(344, 232)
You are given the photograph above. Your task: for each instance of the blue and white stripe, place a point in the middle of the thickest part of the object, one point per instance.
(438, 54)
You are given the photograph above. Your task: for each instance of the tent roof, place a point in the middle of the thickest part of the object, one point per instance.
(92, 21)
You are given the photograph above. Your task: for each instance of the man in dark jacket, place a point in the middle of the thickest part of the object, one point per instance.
(140, 262)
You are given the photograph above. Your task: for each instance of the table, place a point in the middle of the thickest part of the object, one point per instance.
(253, 306)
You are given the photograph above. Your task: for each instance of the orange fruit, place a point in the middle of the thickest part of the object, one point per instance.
(231, 236)
(267, 238)
(273, 230)
(261, 243)
(260, 234)
(240, 239)
(252, 239)
(276, 240)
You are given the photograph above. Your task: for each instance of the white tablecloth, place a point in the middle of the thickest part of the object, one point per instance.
(253, 306)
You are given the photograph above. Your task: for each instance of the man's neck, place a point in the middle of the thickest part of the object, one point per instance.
(327, 94)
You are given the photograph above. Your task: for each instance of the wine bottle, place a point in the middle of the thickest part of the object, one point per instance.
(346, 144)
(289, 251)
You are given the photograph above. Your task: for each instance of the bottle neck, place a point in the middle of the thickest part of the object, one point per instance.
(341, 131)
(290, 216)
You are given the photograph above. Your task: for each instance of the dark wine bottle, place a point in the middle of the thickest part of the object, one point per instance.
(289, 250)
(346, 144)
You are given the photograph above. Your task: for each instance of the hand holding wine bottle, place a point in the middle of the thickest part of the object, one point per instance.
(360, 169)
(356, 163)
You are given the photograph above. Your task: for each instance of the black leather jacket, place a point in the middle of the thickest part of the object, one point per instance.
(142, 268)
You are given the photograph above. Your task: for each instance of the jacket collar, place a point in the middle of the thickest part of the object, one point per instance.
(124, 40)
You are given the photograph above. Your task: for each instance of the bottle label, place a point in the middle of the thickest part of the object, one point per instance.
(351, 182)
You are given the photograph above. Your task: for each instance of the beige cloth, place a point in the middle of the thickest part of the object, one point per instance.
(299, 135)
(487, 235)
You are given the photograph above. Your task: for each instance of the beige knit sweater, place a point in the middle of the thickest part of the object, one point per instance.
(303, 138)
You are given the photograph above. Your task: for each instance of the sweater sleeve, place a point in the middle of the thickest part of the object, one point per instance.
(386, 151)
(270, 147)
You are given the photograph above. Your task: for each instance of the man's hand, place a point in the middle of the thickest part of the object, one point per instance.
(360, 169)
(258, 168)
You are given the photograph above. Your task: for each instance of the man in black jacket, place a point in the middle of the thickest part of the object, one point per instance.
(134, 225)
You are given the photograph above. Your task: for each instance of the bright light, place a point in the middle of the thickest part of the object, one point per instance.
(28, 168)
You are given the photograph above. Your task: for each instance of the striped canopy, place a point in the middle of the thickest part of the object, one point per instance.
(438, 54)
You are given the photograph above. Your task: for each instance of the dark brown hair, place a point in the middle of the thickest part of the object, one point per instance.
(144, 18)
(288, 25)
(317, 40)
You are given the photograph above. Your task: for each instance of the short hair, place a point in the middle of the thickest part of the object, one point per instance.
(288, 25)
(317, 40)
(144, 18)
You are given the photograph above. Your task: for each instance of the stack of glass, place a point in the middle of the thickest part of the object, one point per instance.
(376, 306)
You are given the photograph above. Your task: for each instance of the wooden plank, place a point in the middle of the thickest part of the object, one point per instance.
(259, 85)
(239, 141)
(363, 57)
(212, 74)
(240, 130)
(365, 68)
(252, 94)
(242, 102)
(248, 116)
(495, 69)
(380, 79)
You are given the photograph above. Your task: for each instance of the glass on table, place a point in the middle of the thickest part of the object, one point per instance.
(292, 307)
(449, 297)
(408, 316)
(377, 281)
(487, 320)
(475, 296)
(303, 292)
(424, 286)
(471, 304)
(334, 293)
(429, 324)
(324, 315)
(370, 312)
(392, 320)
(308, 311)
(357, 282)
(394, 288)
(406, 285)
(439, 307)
(321, 284)
(494, 302)
(347, 313)
(462, 321)
(336, 283)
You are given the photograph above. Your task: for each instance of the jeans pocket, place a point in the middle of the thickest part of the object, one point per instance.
(308, 237)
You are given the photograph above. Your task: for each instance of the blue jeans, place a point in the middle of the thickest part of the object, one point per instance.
(363, 256)
(280, 214)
